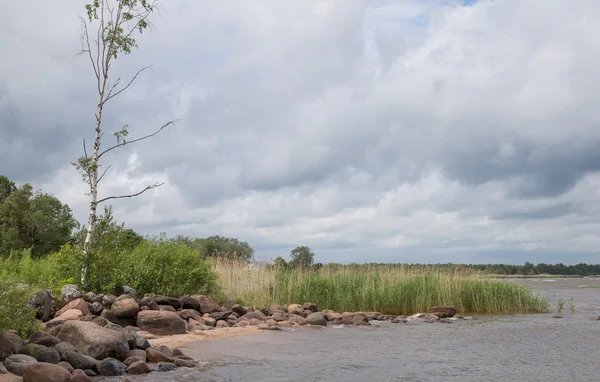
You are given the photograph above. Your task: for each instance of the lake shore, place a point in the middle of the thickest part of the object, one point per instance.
(179, 340)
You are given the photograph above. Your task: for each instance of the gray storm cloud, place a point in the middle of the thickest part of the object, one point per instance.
(368, 130)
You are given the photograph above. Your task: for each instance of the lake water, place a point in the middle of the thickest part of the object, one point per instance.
(528, 347)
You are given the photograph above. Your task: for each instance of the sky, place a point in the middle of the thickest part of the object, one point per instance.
(429, 131)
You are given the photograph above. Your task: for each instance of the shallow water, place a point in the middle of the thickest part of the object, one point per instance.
(528, 347)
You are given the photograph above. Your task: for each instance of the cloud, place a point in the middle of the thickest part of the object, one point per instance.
(419, 131)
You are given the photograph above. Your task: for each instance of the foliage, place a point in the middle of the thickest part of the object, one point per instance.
(218, 247)
(110, 236)
(302, 257)
(7, 187)
(33, 220)
(15, 313)
(387, 289)
(153, 266)
(160, 266)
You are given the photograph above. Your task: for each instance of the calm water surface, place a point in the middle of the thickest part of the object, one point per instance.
(531, 347)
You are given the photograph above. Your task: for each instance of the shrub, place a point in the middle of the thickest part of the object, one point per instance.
(165, 267)
(15, 313)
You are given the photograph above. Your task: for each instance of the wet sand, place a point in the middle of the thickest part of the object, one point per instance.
(179, 340)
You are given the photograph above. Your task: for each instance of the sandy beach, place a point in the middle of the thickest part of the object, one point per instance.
(178, 340)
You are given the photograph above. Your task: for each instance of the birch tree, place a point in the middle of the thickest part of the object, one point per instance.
(109, 31)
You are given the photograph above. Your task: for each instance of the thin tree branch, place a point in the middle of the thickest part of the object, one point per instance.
(86, 39)
(110, 95)
(170, 123)
(102, 176)
(150, 187)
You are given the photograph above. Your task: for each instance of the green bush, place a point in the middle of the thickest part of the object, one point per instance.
(15, 313)
(164, 267)
(154, 266)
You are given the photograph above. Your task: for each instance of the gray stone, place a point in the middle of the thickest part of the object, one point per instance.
(96, 308)
(110, 367)
(70, 292)
(79, 361)
(16, 363)
(42, 302)
(95, 341)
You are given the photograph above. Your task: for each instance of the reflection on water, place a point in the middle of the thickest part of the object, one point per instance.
(525, 347)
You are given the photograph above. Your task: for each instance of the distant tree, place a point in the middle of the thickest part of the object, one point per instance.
(280, 263)
(7, 187)
(220, 247)
(302, 257)
(34, 220)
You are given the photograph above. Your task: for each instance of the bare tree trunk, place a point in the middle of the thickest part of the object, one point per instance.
(87, 246)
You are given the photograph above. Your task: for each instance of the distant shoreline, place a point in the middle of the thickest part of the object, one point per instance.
(547, 276)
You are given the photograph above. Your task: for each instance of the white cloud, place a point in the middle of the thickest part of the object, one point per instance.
(368, 130)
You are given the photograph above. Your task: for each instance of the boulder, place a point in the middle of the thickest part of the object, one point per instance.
(125, 307)
(16, 363)
(43, 338)
(399, 319)
(45, 372)
(92, 297)
(41, 353)
(94, 340)
(121, 290)
(187, 302)
(138, 367)
(165, 350)
(316, 319)
(279, 316)
(165, 300)
(110, 367)
(222, 324)
(165, 367)
(78, 303)
(138, 353)
(209, 321)
(267, 311)
(70, 292)
(79, 361)
(131, 341)
(250, 315)
(296, 309)
(149, 303)
(66, 366)
(443, 311)
(79, 376)
(109, 316)
(294, 318)
(68, 315)
(154, 356)
(186, 314)
(161, 323)
(206, 304)
(220, 315)
(140, 342)
(108, 300)
(311, 306)
(96, 308)
(237, 308)
(166, 308)
(3, 369)
(7, 348)
(43, 304)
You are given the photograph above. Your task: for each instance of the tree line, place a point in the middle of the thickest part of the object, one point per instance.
(32, 219)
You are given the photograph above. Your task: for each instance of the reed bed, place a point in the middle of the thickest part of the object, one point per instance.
(389, 289)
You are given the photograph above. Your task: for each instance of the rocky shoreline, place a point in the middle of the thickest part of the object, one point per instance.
(85, 335)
